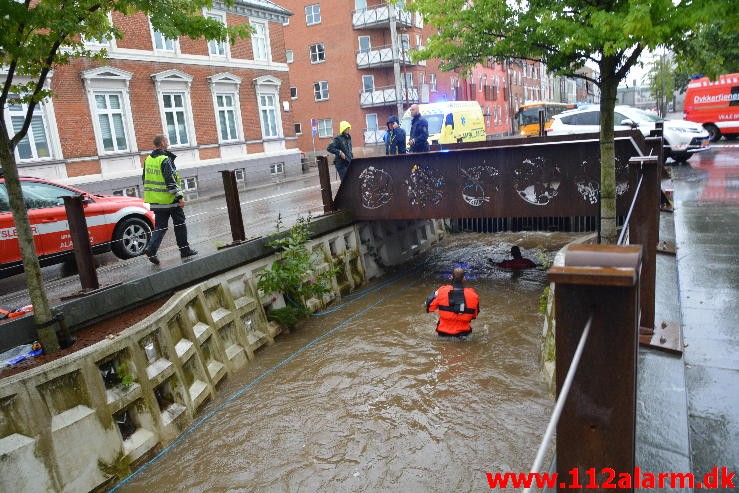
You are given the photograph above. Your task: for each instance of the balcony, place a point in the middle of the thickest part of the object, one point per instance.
(386, 96)
(379, 16)
(383, 57)
(373, 136)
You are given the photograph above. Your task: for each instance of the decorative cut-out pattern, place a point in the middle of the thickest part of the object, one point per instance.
(424, 186)
(536, 182)
(473, 191)
(588, 188)
(375, 187)
(622, 177)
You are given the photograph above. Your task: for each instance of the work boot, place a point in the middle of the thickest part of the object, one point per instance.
(188, 253)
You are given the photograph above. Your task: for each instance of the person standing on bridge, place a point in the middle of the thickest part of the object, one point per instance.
(419, 137)
(457, 305)
(162, 191)
(396, 137)
(341, 148)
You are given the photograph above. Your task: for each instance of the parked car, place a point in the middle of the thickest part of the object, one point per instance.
(681, 138)
(120, 224)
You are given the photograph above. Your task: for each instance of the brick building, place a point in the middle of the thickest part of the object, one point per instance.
(351, 61)
(222, 106)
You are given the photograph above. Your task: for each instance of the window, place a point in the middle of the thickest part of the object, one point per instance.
(215, 47)
(360, 4)
(365, 45)
(293, 92)
(127, 192)
(320, 90)
(432, 82)
(277, 168)
(240, 174)
(419, 20)
(110, 117)
(421, 78)
(312, 14)
(162, 43)
(368, 83)
(268, 115)
(371, 120)
(317, 54)
(259, 41)
(190, 183)
(226, 117)
(325, 128)
(408, 80)
(37, 195)
(405, 43)
(174, 117)
(298, 128)
(35, 145)
(289, 56)
(418, 40)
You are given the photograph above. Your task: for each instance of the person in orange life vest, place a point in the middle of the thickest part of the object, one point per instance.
(517, 262)
(457, 306)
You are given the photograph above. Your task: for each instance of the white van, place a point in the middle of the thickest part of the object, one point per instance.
(450, 122)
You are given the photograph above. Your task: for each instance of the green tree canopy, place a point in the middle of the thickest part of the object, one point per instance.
(35, 37)
(565, 35)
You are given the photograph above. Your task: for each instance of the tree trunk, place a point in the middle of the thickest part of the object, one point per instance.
(609, 85)
(42, 312)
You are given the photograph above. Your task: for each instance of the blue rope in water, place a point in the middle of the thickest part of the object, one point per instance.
(267, 373)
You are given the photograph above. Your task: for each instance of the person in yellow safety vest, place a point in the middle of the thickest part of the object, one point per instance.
(162, 191)
(457, 306)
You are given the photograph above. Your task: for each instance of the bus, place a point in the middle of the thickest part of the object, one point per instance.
(527, 116)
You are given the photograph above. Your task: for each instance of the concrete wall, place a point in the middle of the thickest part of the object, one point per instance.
(66, 426)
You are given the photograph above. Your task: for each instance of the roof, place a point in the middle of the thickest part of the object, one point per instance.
(263, 9)
(266, 5)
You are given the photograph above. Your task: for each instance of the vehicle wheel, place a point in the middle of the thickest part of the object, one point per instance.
(680, 157)
(714, 134)
(130, 237)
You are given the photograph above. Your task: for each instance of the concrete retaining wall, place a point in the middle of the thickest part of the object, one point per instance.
(80, 422)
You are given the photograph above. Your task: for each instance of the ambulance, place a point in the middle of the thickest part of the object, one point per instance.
(715, 105)
(450, 122)
(120, 224)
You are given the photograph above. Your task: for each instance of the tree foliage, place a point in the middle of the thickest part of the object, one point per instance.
(565, 35)
(661, 80)
(37, 36)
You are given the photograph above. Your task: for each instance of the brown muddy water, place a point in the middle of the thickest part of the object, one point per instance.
(367, 398)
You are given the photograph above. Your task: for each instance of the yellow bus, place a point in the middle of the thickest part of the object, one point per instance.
(527, 116)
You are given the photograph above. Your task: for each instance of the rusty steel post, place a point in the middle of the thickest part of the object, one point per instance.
(644, 230)
(597, 428)
(325, 178)
(234, 207)
(81, 242)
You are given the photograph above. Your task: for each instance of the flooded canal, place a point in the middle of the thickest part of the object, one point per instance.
(367, 398)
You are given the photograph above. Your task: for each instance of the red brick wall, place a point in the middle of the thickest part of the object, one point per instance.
(210, 153)
(82, 168)
(135, 29)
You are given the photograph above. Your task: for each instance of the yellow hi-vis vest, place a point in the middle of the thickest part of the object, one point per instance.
(155, 188)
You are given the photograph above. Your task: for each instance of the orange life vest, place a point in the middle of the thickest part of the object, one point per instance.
(457, 308)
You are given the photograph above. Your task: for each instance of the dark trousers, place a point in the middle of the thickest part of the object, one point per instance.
(161, 221)
(341, 167)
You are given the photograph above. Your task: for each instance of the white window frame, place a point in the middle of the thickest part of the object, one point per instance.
(218, 49)
(289, 56)
(268, 115)
(432, 82)
(109, 112)
(226, 112)
(323, 85)
(269, 86)
(227, 84)
(96, 44)
(318, 53)
(310, 17)
(277, 168)
(154, 33)
(298, 128)
(325, 128)
(369, 44)
(295, 91)
(175, 82)
(365, 87)
(110, 80)
(256, 38)
(371, 116)
(44, 110)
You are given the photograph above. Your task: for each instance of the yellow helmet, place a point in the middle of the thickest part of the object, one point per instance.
(344, 126)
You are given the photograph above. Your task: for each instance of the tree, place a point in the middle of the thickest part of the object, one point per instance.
(711, 49)
(661, 78)
(565, 35)
(35, 37)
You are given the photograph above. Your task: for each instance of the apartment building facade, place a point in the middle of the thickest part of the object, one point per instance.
(351, 60)
(223, 106)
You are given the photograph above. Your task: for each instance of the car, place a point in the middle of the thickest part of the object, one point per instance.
(681, 138)
(117, 223)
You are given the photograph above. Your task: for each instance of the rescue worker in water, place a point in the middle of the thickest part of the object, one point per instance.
(457, 306)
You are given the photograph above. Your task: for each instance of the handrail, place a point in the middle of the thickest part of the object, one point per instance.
(539, 460)
(631, 209)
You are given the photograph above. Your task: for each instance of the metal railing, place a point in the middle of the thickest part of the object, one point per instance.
(387, 95)
(557, 412)
(376, 15)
